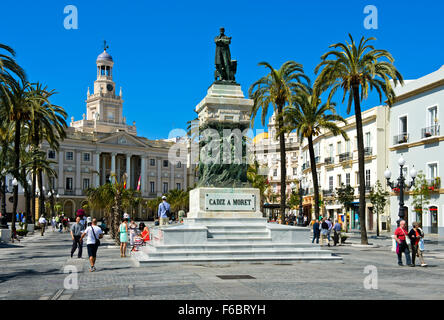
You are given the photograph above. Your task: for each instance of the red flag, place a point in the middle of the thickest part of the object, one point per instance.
(138, 184)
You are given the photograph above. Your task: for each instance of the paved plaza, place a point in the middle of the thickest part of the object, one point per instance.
(34, 269)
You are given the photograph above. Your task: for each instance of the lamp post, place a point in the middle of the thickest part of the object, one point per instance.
(401, 185)
(300, 178)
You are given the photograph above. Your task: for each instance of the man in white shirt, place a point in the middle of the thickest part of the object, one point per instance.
(42, 222)
(93, 233)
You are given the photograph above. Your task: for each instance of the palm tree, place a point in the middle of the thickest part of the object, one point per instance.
(49, 124)
(6, 155)
(258, 181)
(9, 71)
(277, 89)
(358, 69)
(309, 117)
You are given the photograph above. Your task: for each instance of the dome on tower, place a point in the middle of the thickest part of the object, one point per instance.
(104, 56)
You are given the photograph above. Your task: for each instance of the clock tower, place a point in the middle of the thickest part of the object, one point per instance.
(104, 105)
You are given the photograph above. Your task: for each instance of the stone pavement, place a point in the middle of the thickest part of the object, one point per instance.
(34, 269)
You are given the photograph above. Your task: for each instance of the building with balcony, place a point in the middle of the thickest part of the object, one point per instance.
(415, 130)
(338, 164)
(267, 152)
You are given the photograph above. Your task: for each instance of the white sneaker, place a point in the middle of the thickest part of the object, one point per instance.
(423, 265)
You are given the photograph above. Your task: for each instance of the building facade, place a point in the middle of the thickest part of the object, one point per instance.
(267, 154)
(337, 164)
(415, 134)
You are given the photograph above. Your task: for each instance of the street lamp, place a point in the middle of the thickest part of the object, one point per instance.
(401, 185)
(3, 220)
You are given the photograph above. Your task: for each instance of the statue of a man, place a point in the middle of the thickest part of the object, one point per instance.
(225, 68)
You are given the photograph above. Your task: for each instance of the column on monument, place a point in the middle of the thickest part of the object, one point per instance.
(128, 171)
(143, 185)
(97, 169)
(113, 166)
(159, 176)
(60, 175)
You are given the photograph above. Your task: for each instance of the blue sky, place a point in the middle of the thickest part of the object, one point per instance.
(164, 51)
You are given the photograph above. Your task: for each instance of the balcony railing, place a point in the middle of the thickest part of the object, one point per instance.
(368, 189)
(368, 151)
(345, 156)
(434, 184)
(329, 160)
(317, 159)
(401, 138)
(328, 193)
(432, 131)
(306, 166)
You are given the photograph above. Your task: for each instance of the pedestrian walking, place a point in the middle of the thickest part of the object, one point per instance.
(42, 222)
(88, 221)
(402, 241)
(416, 235)
(93, 234)
(53, 224)
(76, 234)
(133, 232)
(61, 223)
(337, 232)
(330, 227)
(324, 231)
(163, 212)
(123, 231)
(316, 232)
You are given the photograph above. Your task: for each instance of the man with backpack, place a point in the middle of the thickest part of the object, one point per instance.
(164, 212)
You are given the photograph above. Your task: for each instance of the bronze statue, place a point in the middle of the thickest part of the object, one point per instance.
(225, 67)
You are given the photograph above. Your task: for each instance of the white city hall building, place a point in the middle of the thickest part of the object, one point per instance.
(416, 136)
(102, 144)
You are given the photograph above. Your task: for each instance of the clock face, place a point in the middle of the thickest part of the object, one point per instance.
(109, 87)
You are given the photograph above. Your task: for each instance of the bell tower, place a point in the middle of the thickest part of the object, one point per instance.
(103, 104)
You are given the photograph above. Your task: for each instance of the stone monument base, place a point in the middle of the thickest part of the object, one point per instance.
(218, 230)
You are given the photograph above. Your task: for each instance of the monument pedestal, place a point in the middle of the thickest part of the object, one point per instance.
(220, 231)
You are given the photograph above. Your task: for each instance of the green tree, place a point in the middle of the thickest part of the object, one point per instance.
(358, 69)
(310, 117)
(258, 181)
(277, 89)
(421, 195)
(345, 195)
(378, 198)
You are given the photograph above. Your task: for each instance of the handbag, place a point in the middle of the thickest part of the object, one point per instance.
(421, 244)
(97, 240)
(407, 239)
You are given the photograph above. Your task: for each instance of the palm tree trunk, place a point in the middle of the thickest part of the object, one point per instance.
(361, 156)
(42, 194)
(283, 162)
(33, 188)
(314, 176)
(16, 171)
(3, 193)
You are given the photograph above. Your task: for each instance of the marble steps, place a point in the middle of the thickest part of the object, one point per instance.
(144, 261)
(242, 239)
(232, 246)
(238, 234)
(234, 228)
(239, 253)
(220, 222)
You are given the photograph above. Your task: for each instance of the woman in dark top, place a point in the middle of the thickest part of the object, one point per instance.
(415, 236)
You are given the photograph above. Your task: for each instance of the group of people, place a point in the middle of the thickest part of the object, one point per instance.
(413, 238)
(133, 230)
(323, 228)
